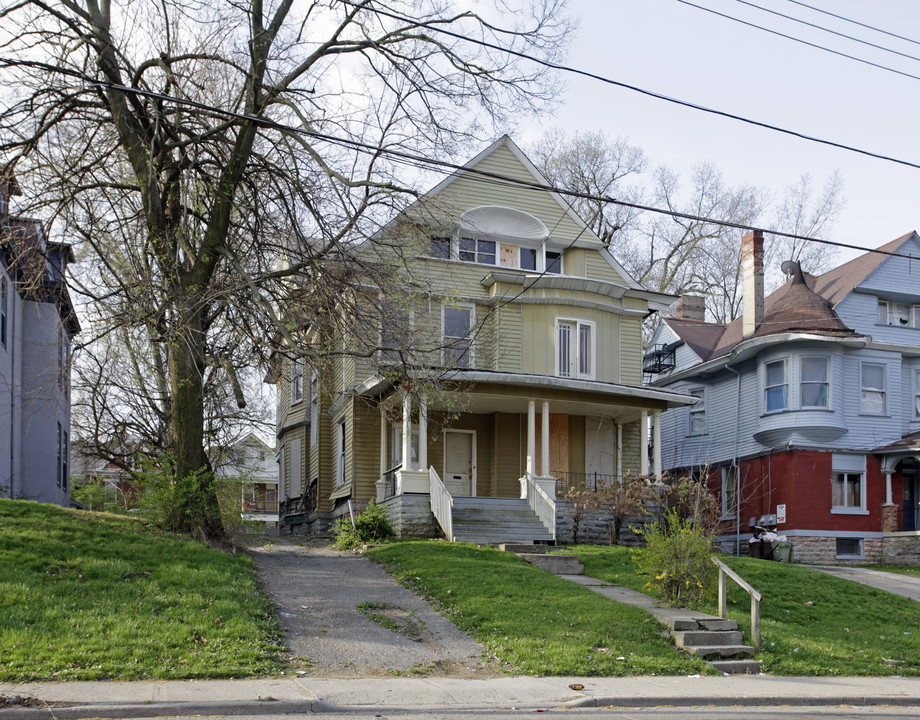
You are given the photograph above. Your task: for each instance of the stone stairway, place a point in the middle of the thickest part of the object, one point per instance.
(492, 521)
(555, 564)
(708, 637)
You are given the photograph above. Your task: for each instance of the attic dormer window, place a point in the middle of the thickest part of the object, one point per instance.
(898, 314)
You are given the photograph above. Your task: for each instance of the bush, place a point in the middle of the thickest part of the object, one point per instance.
(177, 504)
(677, 560)
(371, 525)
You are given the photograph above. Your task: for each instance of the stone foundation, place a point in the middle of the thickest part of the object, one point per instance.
(594, 527)
(411, 517)
(901, 549)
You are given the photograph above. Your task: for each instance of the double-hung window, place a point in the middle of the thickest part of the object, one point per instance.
(340, 454)
(729, 506)
(698, 412)
(478, 251)
(813, 384)
(527, 259)
(848, 488)
(296, 381)
(398, 448)
(553, 263)
(439, 247)
(314, 409)
(395, 331)
(776, 387)
(872, 389)
(458, 342)
(575, 348)
(898, 314)
(4, 305)
(60, 453)
(916, 394)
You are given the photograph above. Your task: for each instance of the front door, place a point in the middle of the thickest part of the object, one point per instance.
(460, 462)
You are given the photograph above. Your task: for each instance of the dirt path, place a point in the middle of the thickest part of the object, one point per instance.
(318, 593)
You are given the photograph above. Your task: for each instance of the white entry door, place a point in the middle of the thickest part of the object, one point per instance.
(460, 462)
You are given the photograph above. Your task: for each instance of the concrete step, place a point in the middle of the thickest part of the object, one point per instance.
(717, 651)
(695, 638)
(523, 548)
(700, 623)
(738, 667)
(556, 564)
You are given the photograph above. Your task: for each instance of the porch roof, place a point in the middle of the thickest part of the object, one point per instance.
(486, 391)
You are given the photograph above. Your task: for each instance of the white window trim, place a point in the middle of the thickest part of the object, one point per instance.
(314, 408)
(445, 338)
(913, 314)
(476, 252)
(381, 339)
(397, 447)
(846, 556)
(785, 383)
(296, 381)
(827, 381)
(698, 409)
(729, 513)
(850, 465)
(916, 395)
(883, 391)
(576, 347)
(340, 449)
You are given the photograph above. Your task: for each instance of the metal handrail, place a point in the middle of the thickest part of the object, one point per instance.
(389, 481)
(726, 571)
(442, 504)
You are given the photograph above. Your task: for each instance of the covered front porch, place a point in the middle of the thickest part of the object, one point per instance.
(498, 436)
(901, 512)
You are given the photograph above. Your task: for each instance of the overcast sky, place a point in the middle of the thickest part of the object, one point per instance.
(683, 52)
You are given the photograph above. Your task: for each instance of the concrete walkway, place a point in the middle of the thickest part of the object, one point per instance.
(895, 583)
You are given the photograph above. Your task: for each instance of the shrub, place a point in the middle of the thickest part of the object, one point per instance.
(677, 560)
(371, 525)
(176, 504)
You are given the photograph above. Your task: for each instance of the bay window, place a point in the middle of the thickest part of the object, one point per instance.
(776, 388)
(813, 385)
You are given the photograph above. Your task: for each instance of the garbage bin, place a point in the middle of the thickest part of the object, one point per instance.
(782, 550)
(756, 549)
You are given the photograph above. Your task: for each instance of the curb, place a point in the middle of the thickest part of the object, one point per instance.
(254, 708)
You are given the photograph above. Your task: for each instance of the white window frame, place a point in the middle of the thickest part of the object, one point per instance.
(864, 389)
(397, 447)
(573, 366)
(314, 409)
(916, 394)
(826, 382)
(846, 469)
(341, 446)
(892, 316)
(784, 384)
(296, 381)
(697, 412)
(544, 264)
(400, 314)
(450, 247)
(447, 348)
(477, 252)
(729, 496)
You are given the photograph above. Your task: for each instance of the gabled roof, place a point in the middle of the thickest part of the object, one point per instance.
(701, 337)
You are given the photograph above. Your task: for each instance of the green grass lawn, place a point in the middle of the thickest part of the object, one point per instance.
(811, 623)
(532, 621)
(86, 596)
(911, 570)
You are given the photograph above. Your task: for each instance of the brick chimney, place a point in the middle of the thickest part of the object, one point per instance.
(690, 307)
(752, 279)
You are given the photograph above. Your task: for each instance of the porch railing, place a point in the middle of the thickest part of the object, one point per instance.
(543, 506)
(726, 572)
(442, 504)
(261, 506)
(389, 482)
(581, 481)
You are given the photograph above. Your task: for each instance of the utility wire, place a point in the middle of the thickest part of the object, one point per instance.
(855, 22)
(799, 40)
(643, 91)
(828, 30)
(420, 161)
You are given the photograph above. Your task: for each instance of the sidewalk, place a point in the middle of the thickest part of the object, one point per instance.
(301, 694)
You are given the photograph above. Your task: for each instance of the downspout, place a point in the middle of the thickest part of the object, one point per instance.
(735, 463)
(11, 313)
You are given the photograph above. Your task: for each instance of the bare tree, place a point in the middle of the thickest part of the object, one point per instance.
(190, 145)
(674, 254)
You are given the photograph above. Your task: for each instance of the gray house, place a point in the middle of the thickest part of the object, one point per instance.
(37, 325)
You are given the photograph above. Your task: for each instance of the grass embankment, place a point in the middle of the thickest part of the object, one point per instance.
(811, 623)
(87, 596)
(534, 622)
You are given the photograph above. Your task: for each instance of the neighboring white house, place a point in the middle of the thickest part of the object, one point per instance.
(253, 463)
(37, 325)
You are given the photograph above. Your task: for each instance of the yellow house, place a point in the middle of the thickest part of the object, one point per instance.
(511, 371)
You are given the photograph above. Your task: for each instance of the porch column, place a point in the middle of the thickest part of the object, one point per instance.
(643, 443)
(657, 445)
(531, 435)
(381, 484)
(620, 452)
(544, 442)
(888, 500)
(423, 432)
(407, 432)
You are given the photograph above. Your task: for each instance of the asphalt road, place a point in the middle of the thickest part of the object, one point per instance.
(318, 591)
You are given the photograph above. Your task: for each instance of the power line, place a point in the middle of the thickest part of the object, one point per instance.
(855, 22)
(642, 91)
(828, 30)
(432, 163)
(799, 40)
